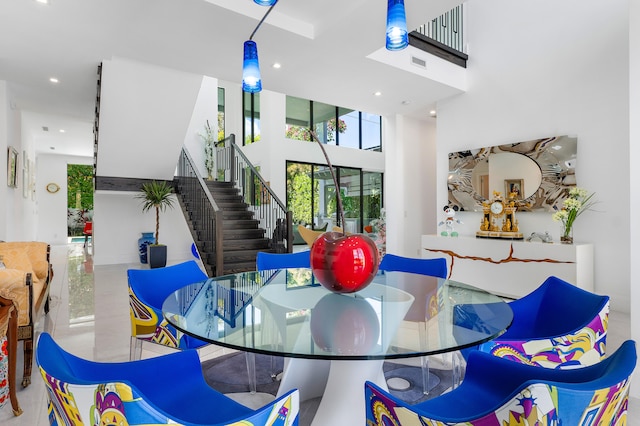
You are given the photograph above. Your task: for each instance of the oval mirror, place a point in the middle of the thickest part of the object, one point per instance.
(537, 174)
(502, 172)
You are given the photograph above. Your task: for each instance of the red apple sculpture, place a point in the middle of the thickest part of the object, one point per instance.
(344, 263)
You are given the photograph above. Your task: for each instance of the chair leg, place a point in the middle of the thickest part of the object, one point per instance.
(28, 359)
(457, 369)
(135, 348)
(251, 370)
(424, 364)
(12, 338)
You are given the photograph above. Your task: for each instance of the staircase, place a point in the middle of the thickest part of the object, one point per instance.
(242, 237)
(231, 221)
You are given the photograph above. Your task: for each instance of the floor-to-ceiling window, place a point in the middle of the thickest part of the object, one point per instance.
(312, 196)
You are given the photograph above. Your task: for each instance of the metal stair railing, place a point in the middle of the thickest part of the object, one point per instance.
(267, 207)
(192, 190)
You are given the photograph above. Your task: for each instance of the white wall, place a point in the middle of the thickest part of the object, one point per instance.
(149, 112)
(568, 76)
(409, 187)
(17, 211)
(205, 110)
(4, 190)
(119, 222)
(634, 154)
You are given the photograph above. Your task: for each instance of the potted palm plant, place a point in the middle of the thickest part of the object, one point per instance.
(156, 195)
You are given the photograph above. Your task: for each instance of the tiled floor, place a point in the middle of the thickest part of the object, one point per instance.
(90, 317)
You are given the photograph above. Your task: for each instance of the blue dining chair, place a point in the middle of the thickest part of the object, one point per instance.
(431, 267)
(497, 392)
(148, 289)
(168, 389)
(558, 325)
(265, 260)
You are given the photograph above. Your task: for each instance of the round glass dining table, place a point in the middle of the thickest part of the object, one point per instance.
(334, 342)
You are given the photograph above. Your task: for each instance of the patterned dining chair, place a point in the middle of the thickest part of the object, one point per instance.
(431, 267)
(148, 289)
(167, 389)
(558, 325)
(497, 392)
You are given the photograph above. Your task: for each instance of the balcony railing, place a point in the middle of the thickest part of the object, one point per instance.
(443, 36)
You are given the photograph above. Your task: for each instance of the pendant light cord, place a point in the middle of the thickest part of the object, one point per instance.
(262, 20)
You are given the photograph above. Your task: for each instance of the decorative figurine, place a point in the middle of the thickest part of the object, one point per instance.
(449, 221)
(545, 238)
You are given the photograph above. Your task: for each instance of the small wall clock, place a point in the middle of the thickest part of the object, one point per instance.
(53, 187)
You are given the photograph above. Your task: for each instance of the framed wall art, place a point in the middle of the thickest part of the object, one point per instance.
(12, 167)
(514, 187)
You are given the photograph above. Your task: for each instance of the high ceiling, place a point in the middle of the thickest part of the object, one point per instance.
(322, 46)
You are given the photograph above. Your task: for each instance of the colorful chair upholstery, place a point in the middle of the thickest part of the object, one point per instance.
(431, 267)
(266, 260)
(558, 325)
(168, 389)
(148, 288)
(498, 392)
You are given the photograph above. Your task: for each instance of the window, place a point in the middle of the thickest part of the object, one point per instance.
(312, 197)
(332, 125)
(220, 113)
(322, 114)
(298, 119)
(371, 131)
(348, 128)
(251, 108)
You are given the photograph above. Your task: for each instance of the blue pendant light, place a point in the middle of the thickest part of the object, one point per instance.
(397, 35)
(265, 2)
(251, 81)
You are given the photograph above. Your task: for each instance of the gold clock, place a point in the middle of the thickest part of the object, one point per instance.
(497, 208)
(53, 187)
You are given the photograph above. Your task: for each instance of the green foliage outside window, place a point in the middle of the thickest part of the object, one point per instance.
(80, 179)
(299, 193)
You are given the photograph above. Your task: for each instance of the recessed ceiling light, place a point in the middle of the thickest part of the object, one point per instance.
(276, 65)
(377, 93)
(62, 130)
(42, 1)
(53, 80)
(432, 112)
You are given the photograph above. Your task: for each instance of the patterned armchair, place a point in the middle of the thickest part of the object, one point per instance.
(168, 389)
(25, 282)
(499, 392)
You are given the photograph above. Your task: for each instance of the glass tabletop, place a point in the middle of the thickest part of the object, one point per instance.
(288, 313)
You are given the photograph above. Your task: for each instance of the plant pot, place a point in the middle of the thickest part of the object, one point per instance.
(157, 255)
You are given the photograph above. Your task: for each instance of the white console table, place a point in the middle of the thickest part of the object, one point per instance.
(511, 268)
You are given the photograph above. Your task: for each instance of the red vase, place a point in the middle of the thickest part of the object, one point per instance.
(344, 263)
